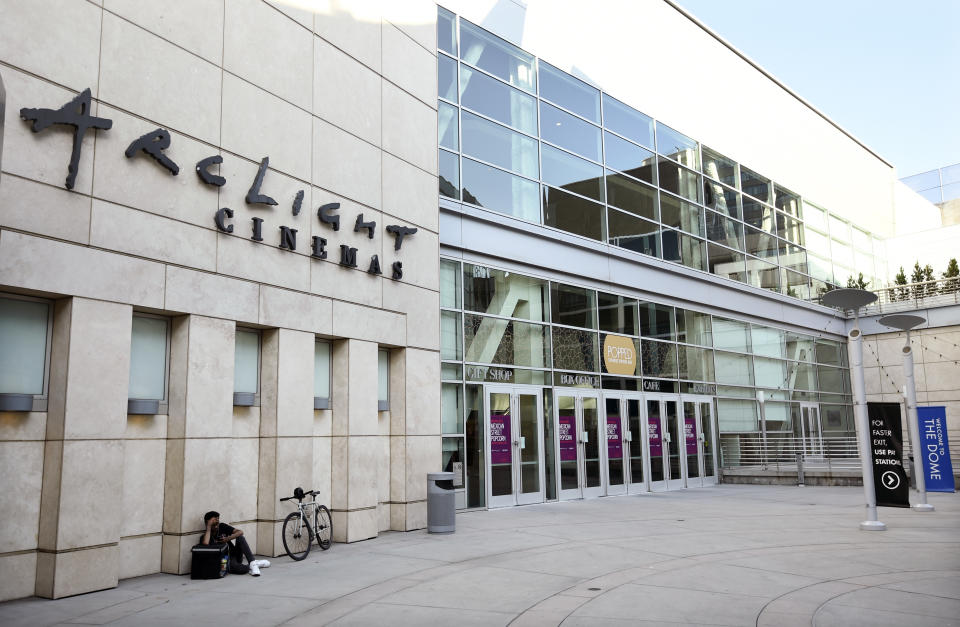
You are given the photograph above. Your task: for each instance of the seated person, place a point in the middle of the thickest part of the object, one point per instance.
(217, 531)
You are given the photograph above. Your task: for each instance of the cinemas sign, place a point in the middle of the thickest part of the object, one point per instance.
(76, 114)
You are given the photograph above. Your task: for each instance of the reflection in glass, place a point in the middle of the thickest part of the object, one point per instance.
(498, 101)
(767, 341)
(659, 359)
(799, 346)
(696, 364)
(449, 284)
(758, 215)
(246, 362)
(500, 191)
(737, 415)
(670, 411)
(771, 373)
(731, 334)
(451, 408)
(792, 256)
(449, 179)
(719, 168)
(828, 352)
(450, 335)
(796, 284)
(591, 448)
(615, 443)
(570, 132)
(706, 422)
(529, 443)
(501, 293)
(637, 198)
(549, 448)
(760, 243)
(446, 31)
(681, 248)
(694, 327)
(789, 229)
(724, 230)
(733, 369)
(573, 306)
(496, 56)
(657, 321)
(447, 132)
(632, 233)
(570, 93)
(23, 338)
(500, 146)
(617, 314)
(574, 349)
(497, 341)
(655, 435)
(786, 201)
(476, 446)
(725, 262)
(677, 146)
(754, 184)
(629, 158)
(572, 214)
(690, 436)
(678, 180)
(561, 169)
(446, 78)
(568, 433)
(148, 353)
(681, 214)
(721, 198)
(627, 121)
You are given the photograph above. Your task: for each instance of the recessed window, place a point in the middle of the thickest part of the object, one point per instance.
(383, 379)
(149, 347)
(246, 367)
(24, 338)
(321, 375)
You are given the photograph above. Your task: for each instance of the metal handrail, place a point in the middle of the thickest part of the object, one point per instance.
(921, 295)
(780, 452)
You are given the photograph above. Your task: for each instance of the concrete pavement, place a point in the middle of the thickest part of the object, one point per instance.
(727, 555)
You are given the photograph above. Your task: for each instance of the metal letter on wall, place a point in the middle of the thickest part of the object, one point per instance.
(76, 114)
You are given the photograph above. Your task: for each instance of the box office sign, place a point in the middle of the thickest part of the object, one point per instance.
(935, 449)
(76, 114)
(886, 454)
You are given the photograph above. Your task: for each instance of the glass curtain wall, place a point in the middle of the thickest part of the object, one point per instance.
(505, 327)
(523, 138)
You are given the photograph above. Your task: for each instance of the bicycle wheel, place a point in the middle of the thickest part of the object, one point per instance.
(296, 536)
(323, 525)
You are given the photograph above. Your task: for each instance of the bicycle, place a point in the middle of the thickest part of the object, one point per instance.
(297, 534)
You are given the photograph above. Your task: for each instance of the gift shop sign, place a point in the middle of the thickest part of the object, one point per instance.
(76, 114)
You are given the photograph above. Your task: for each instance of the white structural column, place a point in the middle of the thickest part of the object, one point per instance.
(910, 396)
(286, 430)
(855, 343)
(80, 504)
(355, 435)
(197, 472)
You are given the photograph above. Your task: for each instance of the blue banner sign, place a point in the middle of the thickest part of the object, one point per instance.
(937, 468)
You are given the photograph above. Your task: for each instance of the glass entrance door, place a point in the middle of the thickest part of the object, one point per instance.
(698, 441)
(664, 436)
(811, 436)
(515, 454)
(625, 467)
(579, 436)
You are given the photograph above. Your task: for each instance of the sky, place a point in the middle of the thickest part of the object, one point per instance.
(887, 71)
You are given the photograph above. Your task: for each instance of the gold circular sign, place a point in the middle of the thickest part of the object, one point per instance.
(619, 355)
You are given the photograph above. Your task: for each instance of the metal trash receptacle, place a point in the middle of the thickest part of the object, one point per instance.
(441, 503)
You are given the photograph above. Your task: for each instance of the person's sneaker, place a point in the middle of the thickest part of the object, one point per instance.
(263, 563)
(254, 569)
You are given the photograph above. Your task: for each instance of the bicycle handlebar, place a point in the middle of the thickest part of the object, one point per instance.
(312, 493)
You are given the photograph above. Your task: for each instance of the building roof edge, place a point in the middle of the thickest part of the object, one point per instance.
(773, 78)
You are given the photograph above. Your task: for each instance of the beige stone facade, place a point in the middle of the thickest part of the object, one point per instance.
(343, 102)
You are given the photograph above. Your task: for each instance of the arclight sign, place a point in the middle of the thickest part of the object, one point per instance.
(153, 144)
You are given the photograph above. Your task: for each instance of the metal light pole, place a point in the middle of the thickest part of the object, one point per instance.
(905, 322)
(852, 298)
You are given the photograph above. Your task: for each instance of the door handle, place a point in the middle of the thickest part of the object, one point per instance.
(585, 436)
(523, 442)
(628, 436)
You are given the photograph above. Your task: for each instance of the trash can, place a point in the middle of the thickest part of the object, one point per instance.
(441, 503)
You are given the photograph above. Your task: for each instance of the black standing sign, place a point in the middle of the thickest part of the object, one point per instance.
(886, 452)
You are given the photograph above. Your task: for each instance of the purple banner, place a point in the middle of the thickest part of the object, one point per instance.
(690, 434)
(567, 431)
(500, 444)
(614, 444)
(653, 434)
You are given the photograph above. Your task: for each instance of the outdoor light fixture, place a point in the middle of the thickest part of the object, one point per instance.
(905, 322)
(852, 298)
